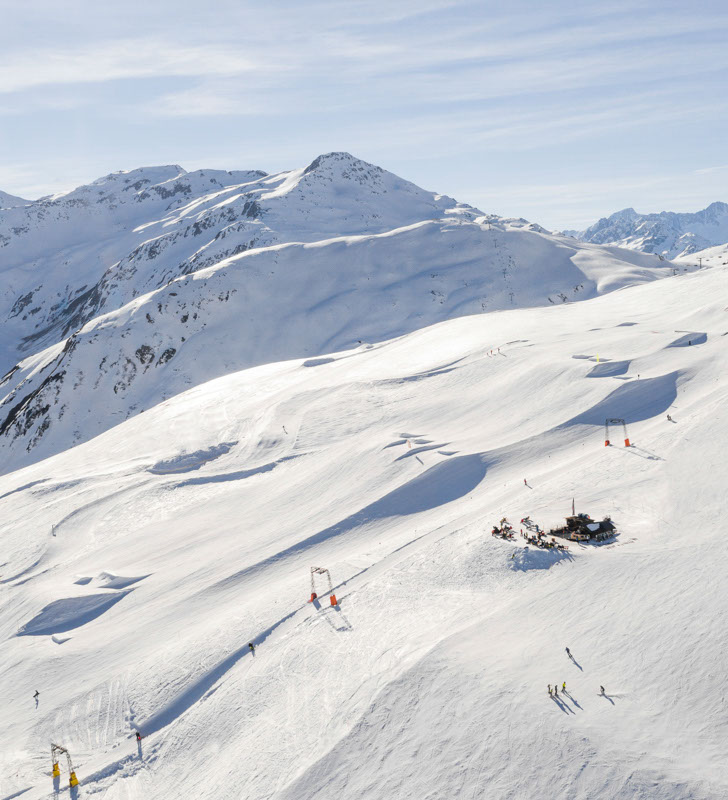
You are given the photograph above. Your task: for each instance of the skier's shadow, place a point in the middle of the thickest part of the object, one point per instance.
(139, 749)
(56, 786)
(562, 705)
(74, 792)
(608, 698)
(573, 701)
(576, 663)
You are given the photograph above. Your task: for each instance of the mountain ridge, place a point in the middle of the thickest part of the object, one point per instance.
(148, 282)
(666, 233)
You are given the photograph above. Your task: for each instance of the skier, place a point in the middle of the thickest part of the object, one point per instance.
(556, 690)
(525, 482)
(669, 418)
(568, 653)
(138, 736)
(252, 647)
(602, 689)
(549, 690)
(36, 695)
(563, 687)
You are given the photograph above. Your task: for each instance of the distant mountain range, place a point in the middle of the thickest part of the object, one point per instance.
(120, 294)
(668, 234)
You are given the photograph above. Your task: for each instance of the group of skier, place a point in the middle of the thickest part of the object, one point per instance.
(538, 539)
(554, 693)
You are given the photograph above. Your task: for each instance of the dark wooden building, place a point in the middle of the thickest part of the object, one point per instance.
(582, 528)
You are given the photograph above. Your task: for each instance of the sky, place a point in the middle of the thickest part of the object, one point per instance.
(559, 112)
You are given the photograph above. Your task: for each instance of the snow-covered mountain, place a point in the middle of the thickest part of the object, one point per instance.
(136, 568)
(121, 294)
(10, 200)
(668, 234)
(710, 257)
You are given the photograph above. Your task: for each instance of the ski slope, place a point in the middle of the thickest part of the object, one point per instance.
(136, 567)
(710, 257)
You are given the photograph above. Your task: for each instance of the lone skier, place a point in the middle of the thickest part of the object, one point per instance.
(36, 695)
(669, 418)
(138, 736)
(602, 689)
(568, 653)
(252, 647)
(525, 482)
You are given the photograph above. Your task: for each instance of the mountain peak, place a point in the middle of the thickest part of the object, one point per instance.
(337, 159)
(625, 213)
(156, 174)
(11, 200)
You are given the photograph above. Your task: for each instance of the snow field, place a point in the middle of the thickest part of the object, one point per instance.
(430, 678)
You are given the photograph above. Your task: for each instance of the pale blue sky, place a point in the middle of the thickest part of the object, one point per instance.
(560, 112)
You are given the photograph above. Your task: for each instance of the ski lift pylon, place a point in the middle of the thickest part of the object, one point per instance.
(57, 751)
(615, 421)
(322, 571)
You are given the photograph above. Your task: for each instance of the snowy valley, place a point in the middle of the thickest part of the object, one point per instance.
(215, 381)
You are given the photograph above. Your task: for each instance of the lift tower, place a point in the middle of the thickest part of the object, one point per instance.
(324, 572)
(56, 752)
(613, 422)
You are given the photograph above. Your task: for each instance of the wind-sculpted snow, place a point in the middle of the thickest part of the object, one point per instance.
(188, 462)
(608, 369)
(635, 401)
(437, 486)
(69, 613)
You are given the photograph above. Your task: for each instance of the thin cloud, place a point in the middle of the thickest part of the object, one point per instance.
(128, 58)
